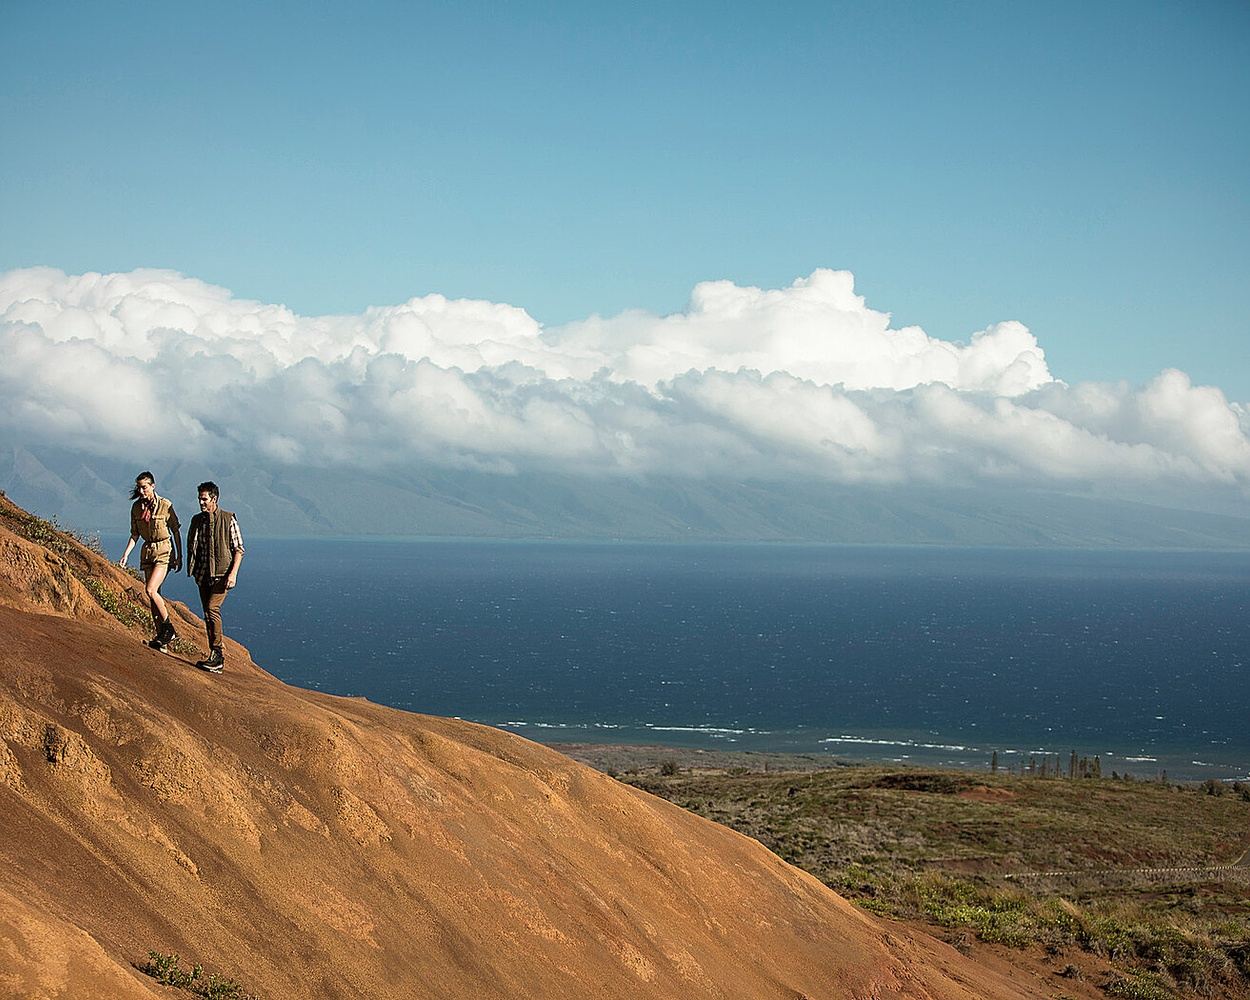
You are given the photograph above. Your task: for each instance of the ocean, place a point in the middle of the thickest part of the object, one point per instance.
(928, 655)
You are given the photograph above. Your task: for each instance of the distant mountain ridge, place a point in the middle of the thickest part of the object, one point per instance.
(90, 494)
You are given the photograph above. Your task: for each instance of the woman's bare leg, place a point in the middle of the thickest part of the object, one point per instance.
(156, 576)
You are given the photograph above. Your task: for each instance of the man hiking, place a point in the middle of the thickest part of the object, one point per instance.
(214, 552)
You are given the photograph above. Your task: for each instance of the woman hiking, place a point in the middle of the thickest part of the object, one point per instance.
(152, 518)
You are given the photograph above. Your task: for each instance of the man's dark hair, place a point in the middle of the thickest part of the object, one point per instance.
(210, 488)
(134, 493)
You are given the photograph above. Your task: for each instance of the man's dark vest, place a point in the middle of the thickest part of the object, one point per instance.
(216, 560)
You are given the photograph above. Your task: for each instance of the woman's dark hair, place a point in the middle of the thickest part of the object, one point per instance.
(134, 493)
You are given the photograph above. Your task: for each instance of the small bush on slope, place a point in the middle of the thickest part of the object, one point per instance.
(166, 971)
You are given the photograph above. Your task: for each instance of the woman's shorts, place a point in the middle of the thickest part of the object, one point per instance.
(155, 553)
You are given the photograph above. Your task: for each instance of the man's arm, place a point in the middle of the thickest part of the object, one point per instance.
(236, 553)
(232, 577)
(193, 538)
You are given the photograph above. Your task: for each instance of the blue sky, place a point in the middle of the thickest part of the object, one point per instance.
(1080, 168)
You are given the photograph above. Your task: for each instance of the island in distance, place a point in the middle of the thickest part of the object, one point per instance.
(81, 490)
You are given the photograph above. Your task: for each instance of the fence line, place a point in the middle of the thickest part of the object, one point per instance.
(1224, 870)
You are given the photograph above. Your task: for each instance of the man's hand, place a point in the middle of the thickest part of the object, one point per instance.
(230, 582)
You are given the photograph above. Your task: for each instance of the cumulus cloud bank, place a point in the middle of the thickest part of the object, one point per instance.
(803, 381)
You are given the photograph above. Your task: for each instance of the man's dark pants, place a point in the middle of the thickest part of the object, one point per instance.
(212, 596)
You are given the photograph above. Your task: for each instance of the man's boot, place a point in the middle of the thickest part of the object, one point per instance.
(214, 663)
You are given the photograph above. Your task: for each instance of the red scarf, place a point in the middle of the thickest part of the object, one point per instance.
(149, 508)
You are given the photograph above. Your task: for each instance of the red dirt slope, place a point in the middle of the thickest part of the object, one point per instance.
(313, 846)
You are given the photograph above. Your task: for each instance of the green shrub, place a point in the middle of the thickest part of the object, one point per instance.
(120, 606)
(1140, 986)
(54, 536)
(130, 614)
(166, 971)
(45, 533)
(1108, 936)
(995, 917)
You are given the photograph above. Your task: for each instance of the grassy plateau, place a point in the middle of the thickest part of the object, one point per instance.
(1149, 898)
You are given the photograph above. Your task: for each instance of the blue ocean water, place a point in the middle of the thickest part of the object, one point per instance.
(924, 654)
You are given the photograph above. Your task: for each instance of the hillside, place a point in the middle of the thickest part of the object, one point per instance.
(313, 846)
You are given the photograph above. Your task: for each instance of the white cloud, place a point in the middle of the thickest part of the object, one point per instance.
(817, 329)
(803, 381)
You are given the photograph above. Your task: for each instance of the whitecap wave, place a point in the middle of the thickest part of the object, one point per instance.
(864, 740)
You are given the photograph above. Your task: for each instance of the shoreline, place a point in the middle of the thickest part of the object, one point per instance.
(626, 758)
(626, 754)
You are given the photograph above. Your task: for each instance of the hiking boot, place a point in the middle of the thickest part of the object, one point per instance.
(165, 634)
(213, 663)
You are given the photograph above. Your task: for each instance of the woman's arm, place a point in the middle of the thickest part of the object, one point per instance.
(134, 532)
(175, 534)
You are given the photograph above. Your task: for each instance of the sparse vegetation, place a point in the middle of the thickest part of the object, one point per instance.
(934, 846)
(120, 606)
(167, 971)
(54, 536)
(1141, 986)
(46, 533)
(131, 614)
